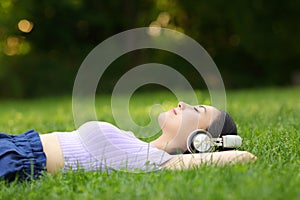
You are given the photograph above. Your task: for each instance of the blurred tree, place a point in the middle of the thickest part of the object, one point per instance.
(253, 42)
(42, 44)
(62, 35)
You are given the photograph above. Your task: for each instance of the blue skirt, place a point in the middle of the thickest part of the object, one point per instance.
(21, 156)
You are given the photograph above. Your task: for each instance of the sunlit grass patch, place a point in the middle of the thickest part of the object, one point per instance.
(267, 119)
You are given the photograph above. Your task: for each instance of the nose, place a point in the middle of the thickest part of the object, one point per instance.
(182, 105)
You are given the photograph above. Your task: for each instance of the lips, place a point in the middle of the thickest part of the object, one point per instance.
(174, 111)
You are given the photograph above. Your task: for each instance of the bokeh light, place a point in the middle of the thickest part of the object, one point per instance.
(12, 46)
(16, 45)
(25, 26)
(154, 28)
(164, 19)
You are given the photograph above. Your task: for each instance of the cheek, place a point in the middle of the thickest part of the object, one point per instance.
(190, 122)
(203, 123)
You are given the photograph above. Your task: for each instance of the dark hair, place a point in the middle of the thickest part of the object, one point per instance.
(222, 125)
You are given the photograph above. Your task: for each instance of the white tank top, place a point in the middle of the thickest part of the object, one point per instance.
(102, 146)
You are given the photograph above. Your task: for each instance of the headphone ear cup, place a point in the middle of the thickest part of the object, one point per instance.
(189, 142)
(200, 141)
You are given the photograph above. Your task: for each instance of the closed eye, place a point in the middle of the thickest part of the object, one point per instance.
(203, 108)
(197, 109)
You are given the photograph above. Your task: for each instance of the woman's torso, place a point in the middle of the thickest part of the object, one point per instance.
(100, 145)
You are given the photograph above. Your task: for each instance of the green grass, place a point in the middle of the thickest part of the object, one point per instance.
(267, 119)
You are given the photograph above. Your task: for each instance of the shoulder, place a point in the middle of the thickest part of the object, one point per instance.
(104, 128)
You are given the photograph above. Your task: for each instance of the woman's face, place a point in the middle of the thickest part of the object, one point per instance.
(185, 118)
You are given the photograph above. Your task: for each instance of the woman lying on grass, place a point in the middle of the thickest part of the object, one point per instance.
(103, 147)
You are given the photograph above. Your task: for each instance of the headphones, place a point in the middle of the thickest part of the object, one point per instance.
(201, 141)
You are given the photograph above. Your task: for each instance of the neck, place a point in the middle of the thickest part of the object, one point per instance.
(162, 142)
(166, 143)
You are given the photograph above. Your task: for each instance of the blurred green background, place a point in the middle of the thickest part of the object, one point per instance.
(42, 43)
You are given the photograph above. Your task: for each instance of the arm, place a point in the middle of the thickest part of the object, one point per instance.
(188, 161)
